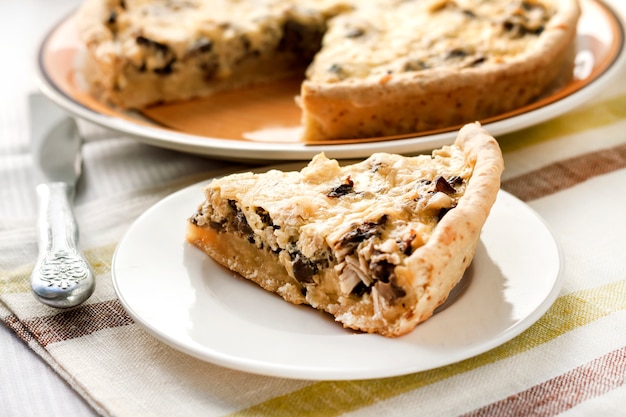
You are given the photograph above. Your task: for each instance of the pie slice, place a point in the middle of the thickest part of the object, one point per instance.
(378, 244)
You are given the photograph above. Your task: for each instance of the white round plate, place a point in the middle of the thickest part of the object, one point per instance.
(265, 124)
(186, 300)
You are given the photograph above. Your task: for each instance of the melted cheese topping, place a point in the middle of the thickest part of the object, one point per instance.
(353, 218)
(411, 36)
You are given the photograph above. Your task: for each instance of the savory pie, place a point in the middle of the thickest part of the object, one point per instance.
(378, 244)
(373, 67)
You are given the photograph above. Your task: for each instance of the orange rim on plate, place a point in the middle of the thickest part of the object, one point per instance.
(268, 113)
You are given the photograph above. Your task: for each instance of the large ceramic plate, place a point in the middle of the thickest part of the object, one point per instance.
(191, 303)
(263, 123)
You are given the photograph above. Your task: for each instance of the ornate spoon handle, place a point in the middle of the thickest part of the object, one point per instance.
(62, 277)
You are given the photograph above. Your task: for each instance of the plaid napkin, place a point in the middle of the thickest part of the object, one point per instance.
(572, 362)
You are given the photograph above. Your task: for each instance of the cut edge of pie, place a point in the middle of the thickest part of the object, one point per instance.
(415, 286)
(148, 65)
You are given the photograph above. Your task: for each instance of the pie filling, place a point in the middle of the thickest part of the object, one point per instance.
(352, 261)
(294, 43)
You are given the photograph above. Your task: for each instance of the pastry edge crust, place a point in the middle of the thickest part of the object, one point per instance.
(450, 250)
